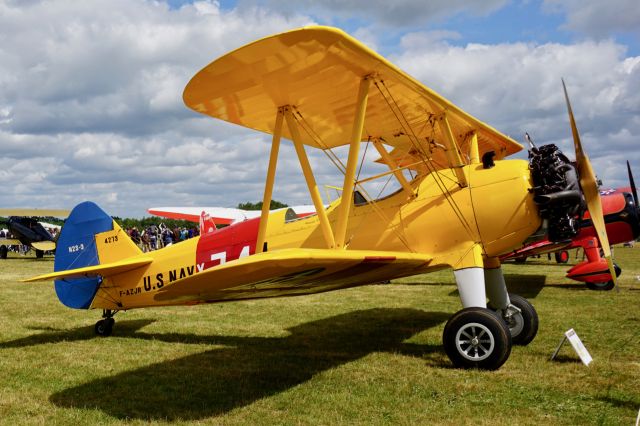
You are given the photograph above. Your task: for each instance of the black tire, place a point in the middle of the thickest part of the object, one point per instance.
(605, 286)
(39, 254)
(3, 252)
(525, 322)
(521, 259)
(562, 256)
(104, 327)
(477, 338)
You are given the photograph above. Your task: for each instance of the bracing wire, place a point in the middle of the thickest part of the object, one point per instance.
(408, 130)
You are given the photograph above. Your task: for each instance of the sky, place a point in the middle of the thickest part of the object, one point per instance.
(91, 91)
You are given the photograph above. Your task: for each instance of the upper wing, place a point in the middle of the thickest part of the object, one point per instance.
(317, 70)
(291, 272)
(34, 212)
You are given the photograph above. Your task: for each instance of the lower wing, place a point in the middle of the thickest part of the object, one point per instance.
(292, 272)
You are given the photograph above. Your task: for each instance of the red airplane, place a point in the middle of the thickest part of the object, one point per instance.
(622, 220)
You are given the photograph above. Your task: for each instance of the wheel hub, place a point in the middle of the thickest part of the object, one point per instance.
(475, 341)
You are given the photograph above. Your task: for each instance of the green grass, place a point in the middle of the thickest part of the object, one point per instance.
(368, 355)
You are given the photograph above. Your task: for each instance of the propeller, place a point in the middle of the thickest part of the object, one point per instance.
(589, 185)
(634, 191)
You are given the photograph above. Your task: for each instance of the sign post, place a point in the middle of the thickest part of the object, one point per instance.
(578, 346)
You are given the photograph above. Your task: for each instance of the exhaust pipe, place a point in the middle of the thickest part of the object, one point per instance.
(556, 198)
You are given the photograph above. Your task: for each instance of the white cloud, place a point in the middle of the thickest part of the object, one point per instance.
(597, 18)
(385, 13)
(517, 88)
(91, 108)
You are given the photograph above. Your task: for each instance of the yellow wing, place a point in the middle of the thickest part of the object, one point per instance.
(43, 245)
(317, 70)
(292, 272)
(34, 212)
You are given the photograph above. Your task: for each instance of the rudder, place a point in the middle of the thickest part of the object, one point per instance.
(89, 237)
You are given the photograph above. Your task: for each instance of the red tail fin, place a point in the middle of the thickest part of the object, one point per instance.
(207, 225)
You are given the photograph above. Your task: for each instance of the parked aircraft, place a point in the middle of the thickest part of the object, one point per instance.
(220, 215)
(24, 228)
(321, 88)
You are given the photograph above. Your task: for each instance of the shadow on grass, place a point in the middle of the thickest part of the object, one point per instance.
(53, 335)
(525, 285)
(217, 381)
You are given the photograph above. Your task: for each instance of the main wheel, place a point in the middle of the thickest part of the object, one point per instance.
(562, 256)
(3, 252)
(607, 285)
(523, 325)
(39, 254)
(104, 327)
(477, 338)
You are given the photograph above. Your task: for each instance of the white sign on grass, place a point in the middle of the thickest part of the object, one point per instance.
(578, 346)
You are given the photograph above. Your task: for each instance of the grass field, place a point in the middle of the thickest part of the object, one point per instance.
(368, 355)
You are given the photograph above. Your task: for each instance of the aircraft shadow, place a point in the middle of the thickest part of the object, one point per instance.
(52, 335)
(219, 380)
(526, 285)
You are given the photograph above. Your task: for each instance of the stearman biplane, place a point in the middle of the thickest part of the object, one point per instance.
(321, 89)
(24, 228)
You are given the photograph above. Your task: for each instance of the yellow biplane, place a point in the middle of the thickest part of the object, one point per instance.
(320, 88)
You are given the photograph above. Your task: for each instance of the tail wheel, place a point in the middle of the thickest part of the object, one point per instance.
(523, 325)
(39, 254)
(477, 338)
(562, 256)
(104, 327)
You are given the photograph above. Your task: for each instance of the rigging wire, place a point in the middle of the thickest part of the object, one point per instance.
(408, 131)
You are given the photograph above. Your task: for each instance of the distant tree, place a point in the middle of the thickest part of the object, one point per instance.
(258, 206)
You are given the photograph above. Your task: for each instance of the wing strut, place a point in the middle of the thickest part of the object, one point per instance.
(308, 176)
(390, 162)
(268, 186)
(474, 154)
(455, 161)
(352, 162)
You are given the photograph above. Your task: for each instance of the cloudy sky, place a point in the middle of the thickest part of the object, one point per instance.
(91, 108)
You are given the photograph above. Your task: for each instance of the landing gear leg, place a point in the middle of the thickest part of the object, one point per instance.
(105, 325)
(516, 311)
(475, 337)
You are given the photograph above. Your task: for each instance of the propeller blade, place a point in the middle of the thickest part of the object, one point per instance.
(589, 185)
(634, 191)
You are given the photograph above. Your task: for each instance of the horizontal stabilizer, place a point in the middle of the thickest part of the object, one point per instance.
(291, 272)
(104, 270)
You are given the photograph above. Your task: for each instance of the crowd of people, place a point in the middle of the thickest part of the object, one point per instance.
(156, 237)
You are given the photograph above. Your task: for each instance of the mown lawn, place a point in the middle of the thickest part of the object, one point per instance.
(369, 355)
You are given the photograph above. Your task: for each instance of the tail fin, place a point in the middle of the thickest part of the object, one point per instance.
(89, 237)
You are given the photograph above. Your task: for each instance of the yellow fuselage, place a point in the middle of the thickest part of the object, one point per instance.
(457, 227)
